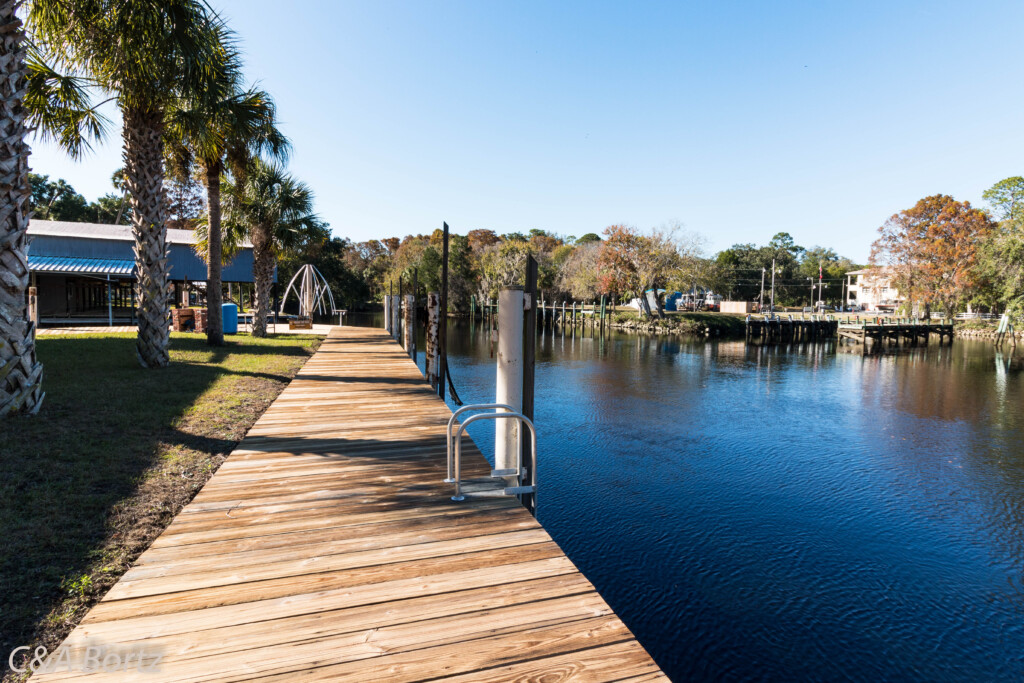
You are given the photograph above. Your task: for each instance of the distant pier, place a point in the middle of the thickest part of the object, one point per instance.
(910, 332)
(878, 331)
(789, 329)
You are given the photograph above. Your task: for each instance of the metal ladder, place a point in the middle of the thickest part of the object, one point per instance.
(495, 485)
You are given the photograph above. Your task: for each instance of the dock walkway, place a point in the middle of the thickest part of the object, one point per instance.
(326, 548)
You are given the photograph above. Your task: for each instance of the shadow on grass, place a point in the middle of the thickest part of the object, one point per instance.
(104, 424)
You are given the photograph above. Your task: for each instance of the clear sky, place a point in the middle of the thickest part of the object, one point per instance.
(736, 119)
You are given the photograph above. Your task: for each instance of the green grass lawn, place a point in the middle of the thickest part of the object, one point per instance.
(690, 323)
(114, 454)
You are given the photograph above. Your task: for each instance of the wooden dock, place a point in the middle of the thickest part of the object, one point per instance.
(786, 329)
(326, 548)
(910, 332)
(790, 329)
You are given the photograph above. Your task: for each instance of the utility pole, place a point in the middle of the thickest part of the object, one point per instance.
(772, 307)
(760, 299)
(820, 293)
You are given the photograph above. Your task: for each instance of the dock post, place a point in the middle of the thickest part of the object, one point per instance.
(33, 306)
(432, 355)
(509, 385)
(395, 306)
(529, 500)
(392, 313)
(408, 330)
(603, 310)
(387, 313)
(414, 352)
(442, 330)
(110, 305)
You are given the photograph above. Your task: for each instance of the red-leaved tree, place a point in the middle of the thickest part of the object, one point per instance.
(932, 249)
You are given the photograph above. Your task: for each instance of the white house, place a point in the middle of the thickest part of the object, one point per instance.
(873, 290)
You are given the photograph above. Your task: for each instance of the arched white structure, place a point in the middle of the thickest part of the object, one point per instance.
(313, 292)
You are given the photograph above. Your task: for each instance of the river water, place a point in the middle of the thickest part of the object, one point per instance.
(787, 513)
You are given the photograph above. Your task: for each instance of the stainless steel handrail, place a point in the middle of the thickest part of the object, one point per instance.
(519, 451)
(451, 421)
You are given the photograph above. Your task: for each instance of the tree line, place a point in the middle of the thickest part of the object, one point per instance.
(620, 262)
(941, 254)
(57, 200)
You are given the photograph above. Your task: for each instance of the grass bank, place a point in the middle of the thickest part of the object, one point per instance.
(982, 329)
(114, 454)
(721, 325)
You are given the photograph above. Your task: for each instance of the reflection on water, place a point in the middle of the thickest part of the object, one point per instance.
(773, 513)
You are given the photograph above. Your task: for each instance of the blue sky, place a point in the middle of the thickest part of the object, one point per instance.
(736, 119)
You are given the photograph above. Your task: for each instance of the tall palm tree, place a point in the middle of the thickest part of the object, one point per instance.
(239, 125)
(275, 211)
(32, 96)
(147, 54)
(20, 371)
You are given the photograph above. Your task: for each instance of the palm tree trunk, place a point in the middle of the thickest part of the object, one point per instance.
(144, 178)
(214, 296)
(21, 373)
(263, 274)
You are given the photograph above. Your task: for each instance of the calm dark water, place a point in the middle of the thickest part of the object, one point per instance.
(785, 514)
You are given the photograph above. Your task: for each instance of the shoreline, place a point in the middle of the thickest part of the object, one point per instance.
(710, 325)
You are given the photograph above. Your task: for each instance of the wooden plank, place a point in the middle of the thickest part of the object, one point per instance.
(288, 587)
(327, 548)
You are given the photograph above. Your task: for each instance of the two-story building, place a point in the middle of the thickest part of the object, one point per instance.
(873, 290)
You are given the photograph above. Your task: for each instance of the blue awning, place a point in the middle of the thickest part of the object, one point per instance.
(91, 266)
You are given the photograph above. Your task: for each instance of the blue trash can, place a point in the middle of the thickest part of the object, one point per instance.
(230, 315)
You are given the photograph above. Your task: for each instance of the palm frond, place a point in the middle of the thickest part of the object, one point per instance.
(61, 109)
(273, 206)
(148, 52)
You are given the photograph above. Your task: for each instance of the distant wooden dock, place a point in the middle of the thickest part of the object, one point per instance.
(790, 329)
(782, 329)
(326, 548)
(909, 331)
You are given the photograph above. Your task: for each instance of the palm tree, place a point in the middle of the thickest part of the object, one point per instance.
(275, 211)
(239, 125)
(32, 96)
(147, 54)
(21, 372)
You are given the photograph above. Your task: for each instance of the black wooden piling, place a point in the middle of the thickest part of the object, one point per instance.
(529, 360)
(442, 316)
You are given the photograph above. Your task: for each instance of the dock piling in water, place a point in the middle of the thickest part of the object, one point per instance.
(433, 356)
(509, 385)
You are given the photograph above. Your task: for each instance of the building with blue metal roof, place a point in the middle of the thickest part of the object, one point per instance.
(85, 271)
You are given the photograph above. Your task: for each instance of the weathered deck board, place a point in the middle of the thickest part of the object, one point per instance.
(326, 548)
